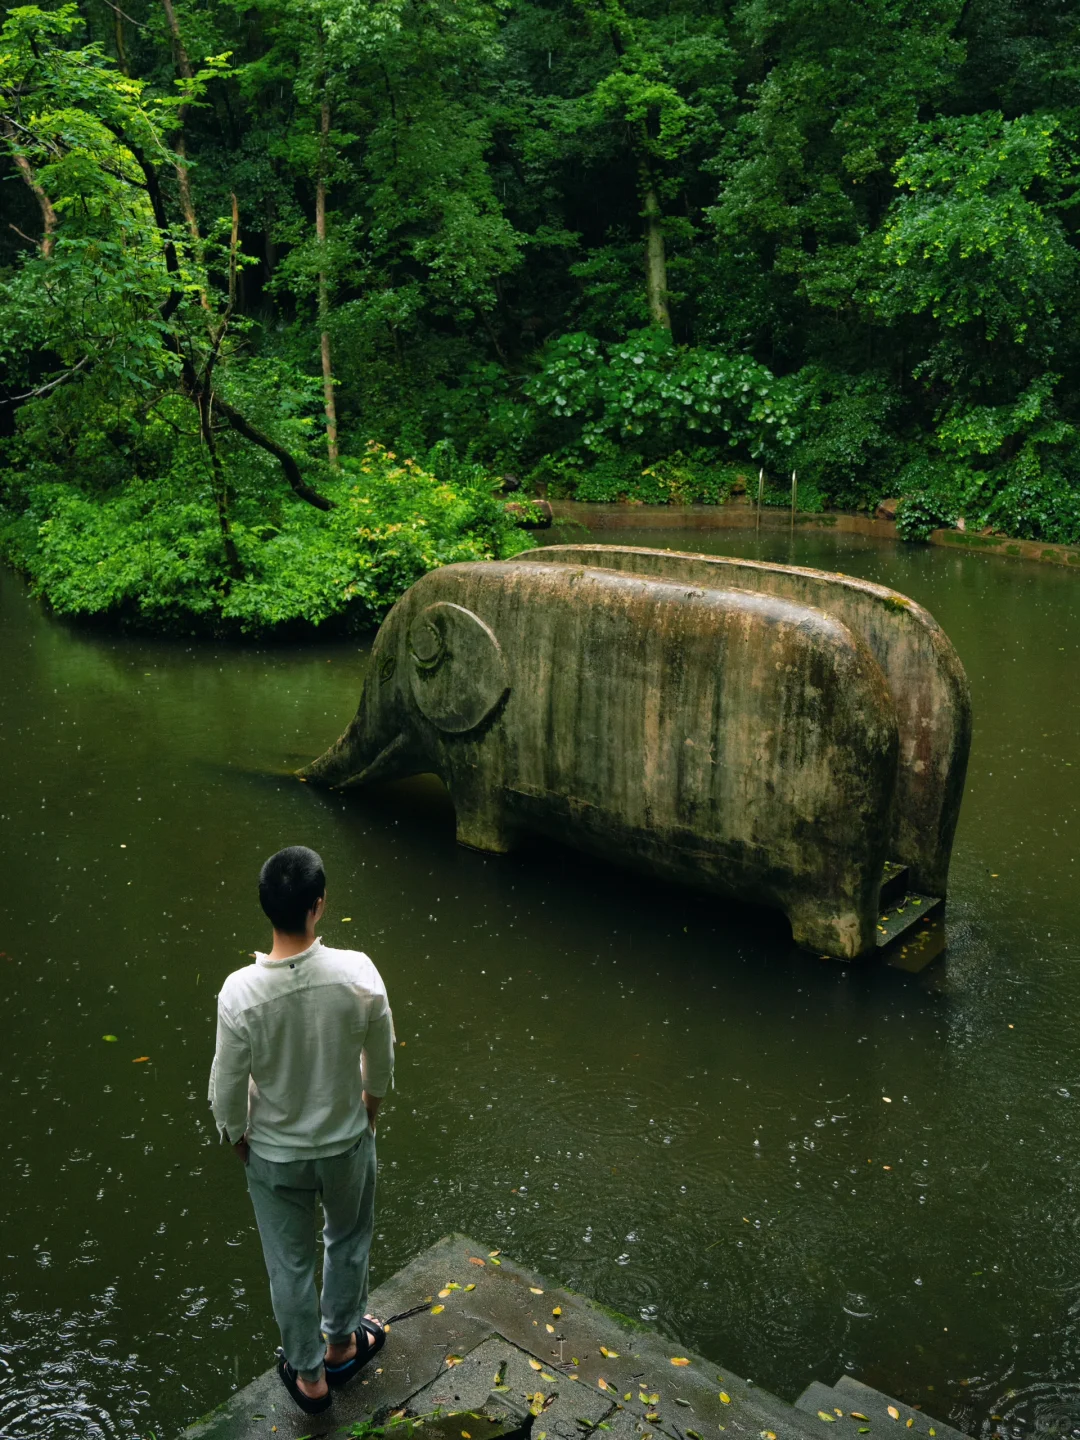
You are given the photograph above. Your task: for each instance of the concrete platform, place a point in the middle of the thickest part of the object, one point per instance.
(517, 1345)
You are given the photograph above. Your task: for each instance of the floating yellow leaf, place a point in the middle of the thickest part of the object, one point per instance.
(470, 1287)
(864, 1429)
(550, 1329)
(475, 1260)
(824, 1415)
(693, 1435)
(628, 1396)
(838, 1412)
(768, 1435)
(108, 1037)
(534, 1364)
(608, 1354)
(894, 1412)
(545, 1376)
(443, 1293)
(465, 1435)
(679, 1360)
(437, 1309)
(536, 1289)
(140, 1059)
(557, 1310)
(725, 1397)
(910, 1421)
(652, 1417)
(496, 1262)
(654, 1399)
(603, 1384)
(452, 1285)
(450, 1360)
(493, 1253)
(858, 1415)
(932, 1430)
(347, 920)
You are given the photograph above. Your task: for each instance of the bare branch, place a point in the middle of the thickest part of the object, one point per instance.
(22, 233)
(125, 16)
(40, 390)
(244, 427)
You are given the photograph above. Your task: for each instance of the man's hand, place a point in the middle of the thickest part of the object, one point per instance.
(241, 1149)
(371, 1105)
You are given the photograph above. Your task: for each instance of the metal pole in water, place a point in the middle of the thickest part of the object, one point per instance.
(794, 488)
(760, 493)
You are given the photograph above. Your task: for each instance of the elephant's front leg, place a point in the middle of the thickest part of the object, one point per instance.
(479, 804)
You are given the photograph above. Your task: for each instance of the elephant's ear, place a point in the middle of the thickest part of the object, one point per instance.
(458, 671)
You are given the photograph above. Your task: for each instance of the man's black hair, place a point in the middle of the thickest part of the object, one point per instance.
(289, 884)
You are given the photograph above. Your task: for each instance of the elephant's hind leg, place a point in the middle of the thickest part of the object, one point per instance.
(831, 927)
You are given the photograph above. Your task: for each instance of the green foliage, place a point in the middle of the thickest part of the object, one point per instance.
(921, 511)
(860, 218)
(619, 475)
(148, 551)
(646, 391)
(972, 239)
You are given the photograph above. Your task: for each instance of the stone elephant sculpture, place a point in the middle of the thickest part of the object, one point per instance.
(743, 742)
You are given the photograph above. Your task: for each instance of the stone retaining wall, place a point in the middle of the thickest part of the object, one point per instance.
(744, 517)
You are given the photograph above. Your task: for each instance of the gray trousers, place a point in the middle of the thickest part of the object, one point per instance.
(283, 1195)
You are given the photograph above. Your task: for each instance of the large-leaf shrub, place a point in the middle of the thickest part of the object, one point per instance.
(656, 397)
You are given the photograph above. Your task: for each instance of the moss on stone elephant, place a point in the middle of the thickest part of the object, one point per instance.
(743, 743)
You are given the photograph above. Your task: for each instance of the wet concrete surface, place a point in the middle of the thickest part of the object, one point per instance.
(519, 1339)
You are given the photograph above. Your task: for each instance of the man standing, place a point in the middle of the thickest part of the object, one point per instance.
(305, 1054)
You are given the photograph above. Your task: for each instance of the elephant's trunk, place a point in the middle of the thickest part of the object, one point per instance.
(376, 746)
(338, 765)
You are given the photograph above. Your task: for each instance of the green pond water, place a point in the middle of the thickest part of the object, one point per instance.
(639, 1091)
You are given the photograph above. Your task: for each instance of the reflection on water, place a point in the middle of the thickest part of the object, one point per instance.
(639, 1090)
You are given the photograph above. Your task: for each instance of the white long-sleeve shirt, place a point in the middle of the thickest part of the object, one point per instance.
(298, 1042)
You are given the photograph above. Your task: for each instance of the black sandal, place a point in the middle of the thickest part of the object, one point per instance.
(309, 1405)
(376, 1338)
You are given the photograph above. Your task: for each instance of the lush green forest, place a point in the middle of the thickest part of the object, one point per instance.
(289, 287)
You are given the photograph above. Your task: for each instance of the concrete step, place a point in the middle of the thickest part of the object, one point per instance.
(903, 916)
(894, 883)
(502, 1342)
(861, 1411)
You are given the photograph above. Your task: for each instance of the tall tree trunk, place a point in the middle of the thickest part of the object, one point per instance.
(205, 403)
(26, 170)
(121, 51)
(183, 178)
(655, 253)
(324, 296)
(655, 259)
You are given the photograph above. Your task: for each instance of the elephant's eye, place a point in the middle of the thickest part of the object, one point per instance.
(387, 668)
